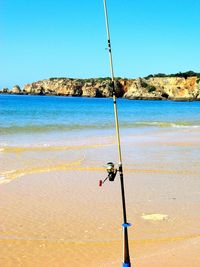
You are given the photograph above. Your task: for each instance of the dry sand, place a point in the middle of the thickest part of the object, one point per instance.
(52, 212)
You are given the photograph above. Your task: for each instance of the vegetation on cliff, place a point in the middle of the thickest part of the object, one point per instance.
(185, 75)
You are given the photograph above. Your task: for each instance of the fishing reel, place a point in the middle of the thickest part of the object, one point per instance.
(110, 168)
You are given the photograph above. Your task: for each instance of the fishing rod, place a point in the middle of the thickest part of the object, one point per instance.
(111, 170)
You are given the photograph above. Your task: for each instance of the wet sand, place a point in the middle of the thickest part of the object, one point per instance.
(53, 213)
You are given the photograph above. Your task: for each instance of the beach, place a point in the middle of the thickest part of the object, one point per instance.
(53, 154)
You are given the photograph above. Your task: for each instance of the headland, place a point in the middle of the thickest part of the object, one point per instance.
(179, 87)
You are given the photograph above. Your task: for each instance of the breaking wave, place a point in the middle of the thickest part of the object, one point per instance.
(168, 124)
(30, 129)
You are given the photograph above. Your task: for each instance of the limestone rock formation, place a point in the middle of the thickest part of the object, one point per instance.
(177, 88)
(74, 87)
(16, 90)
(172, 88)
(55, 86)
(141, 89)
(155, 88)
(4, 91)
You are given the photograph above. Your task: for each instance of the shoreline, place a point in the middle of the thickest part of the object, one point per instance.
(101, 97)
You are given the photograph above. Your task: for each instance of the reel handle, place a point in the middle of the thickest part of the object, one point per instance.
(102, 182)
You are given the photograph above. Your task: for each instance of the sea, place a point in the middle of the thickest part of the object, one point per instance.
(33, 119)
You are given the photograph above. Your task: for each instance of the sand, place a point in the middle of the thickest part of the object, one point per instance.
(53, 213)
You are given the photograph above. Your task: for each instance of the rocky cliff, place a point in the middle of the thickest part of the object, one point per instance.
(172, 88)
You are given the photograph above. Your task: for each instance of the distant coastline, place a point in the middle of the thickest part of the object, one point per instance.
(183, 86)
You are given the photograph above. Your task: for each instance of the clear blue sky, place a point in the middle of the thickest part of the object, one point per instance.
(47, 38)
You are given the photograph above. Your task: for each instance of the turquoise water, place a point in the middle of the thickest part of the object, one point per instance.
(39, 115)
